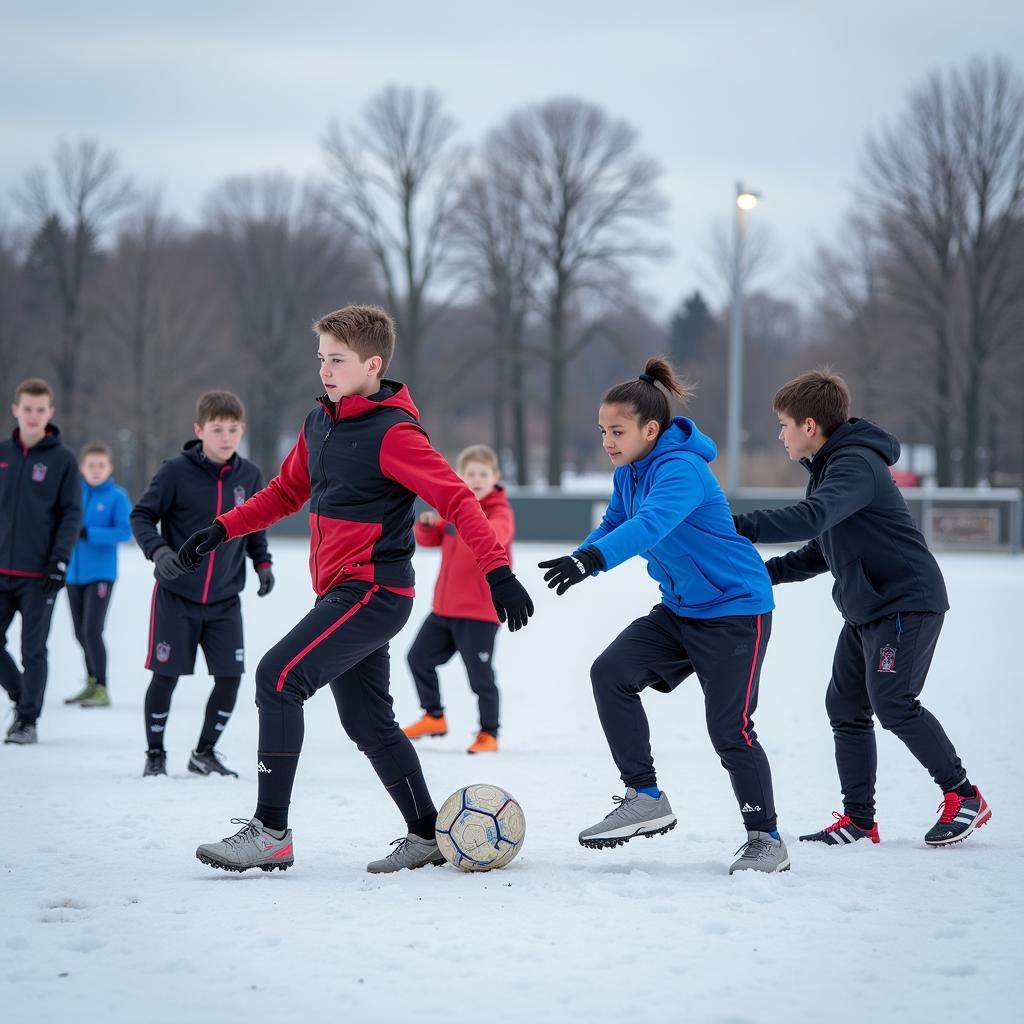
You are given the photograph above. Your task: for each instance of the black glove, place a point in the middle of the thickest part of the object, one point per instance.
(565, 572)
(199, 544)
(83, 534)
(511, 601)
(266, 575)
(168, 565)
(54, 577)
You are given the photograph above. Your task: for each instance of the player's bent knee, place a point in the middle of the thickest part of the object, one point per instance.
(607, 673)
(269, 684)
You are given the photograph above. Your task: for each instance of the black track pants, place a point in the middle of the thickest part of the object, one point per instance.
(341, 642)
(24, 594)
(661, 650)
(439, 638)
(879, 669)
(89, 603)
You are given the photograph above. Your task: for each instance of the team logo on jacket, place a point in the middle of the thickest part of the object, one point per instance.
(163, 652)
(39, 472)
(239, 495)
(887, 659)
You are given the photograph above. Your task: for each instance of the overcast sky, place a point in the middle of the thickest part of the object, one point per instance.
(780, 95)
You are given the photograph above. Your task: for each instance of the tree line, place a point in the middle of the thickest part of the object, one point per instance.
(513, 269)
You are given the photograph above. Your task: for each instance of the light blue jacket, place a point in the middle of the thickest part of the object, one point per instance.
(105, 511)
(669, 509)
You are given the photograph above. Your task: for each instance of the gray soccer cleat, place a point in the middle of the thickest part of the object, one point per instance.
(252, 846)
(635, 814)
(411, 852)
(21, 734)
(761, 853)
(208, 763)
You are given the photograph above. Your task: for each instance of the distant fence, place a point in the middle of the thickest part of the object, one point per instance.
(951, 518)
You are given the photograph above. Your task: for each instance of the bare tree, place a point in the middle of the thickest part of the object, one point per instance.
(495, 257)
(591, 200)
(68, 223)
(159, 313)
(284, 264)
(853, 303)
(988, 125)
(394, 182)
(913, 191)
(12, 311)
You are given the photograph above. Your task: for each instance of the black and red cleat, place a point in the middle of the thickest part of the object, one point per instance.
(959, 816)
(842, 832)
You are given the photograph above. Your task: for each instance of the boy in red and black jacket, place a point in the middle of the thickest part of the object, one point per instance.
(40, 519)
(201, 610)
(463, 619)
(360, 460)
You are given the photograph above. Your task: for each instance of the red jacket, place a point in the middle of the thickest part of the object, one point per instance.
(461, 591)
(361, 463)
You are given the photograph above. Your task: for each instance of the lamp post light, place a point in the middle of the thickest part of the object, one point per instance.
(745, 201)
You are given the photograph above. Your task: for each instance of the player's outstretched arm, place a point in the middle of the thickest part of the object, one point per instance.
(407, 457)
(797, 566)
(847, 485)
(285, 494)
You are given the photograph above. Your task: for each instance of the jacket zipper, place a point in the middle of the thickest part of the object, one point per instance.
(213, 554)
(650, 554)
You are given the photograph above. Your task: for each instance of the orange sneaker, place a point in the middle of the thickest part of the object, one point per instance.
(428, 725)
(484, 743)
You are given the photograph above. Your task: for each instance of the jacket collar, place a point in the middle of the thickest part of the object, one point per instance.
(392, 395)
(193, 451)
(49, 440)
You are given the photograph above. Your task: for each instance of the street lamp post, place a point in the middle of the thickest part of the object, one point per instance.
(744, 201)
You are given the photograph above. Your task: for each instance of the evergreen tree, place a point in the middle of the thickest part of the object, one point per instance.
(689, 330)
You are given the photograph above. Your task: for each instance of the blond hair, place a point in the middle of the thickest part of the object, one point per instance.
(478, 453)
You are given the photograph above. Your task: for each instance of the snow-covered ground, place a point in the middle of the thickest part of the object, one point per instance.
(105, 915)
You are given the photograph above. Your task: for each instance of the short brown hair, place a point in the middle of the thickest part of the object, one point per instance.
(368, 330)
(33, 386)
(219, 405)
(95, 448)
(478, 453)
(820, 395)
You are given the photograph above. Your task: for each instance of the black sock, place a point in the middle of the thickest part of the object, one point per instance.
(218, 711)
(158, 707)
(864, 824)
(424, 827)
(965, 789)
(276, 775)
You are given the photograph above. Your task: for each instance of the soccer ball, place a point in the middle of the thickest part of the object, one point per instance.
(480, 827)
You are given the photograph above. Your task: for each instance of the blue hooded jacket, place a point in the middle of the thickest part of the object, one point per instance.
(669, 509)
(105, 511)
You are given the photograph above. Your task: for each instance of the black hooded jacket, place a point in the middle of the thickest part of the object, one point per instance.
(858, 527)
(40, 503)
(186, 494)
